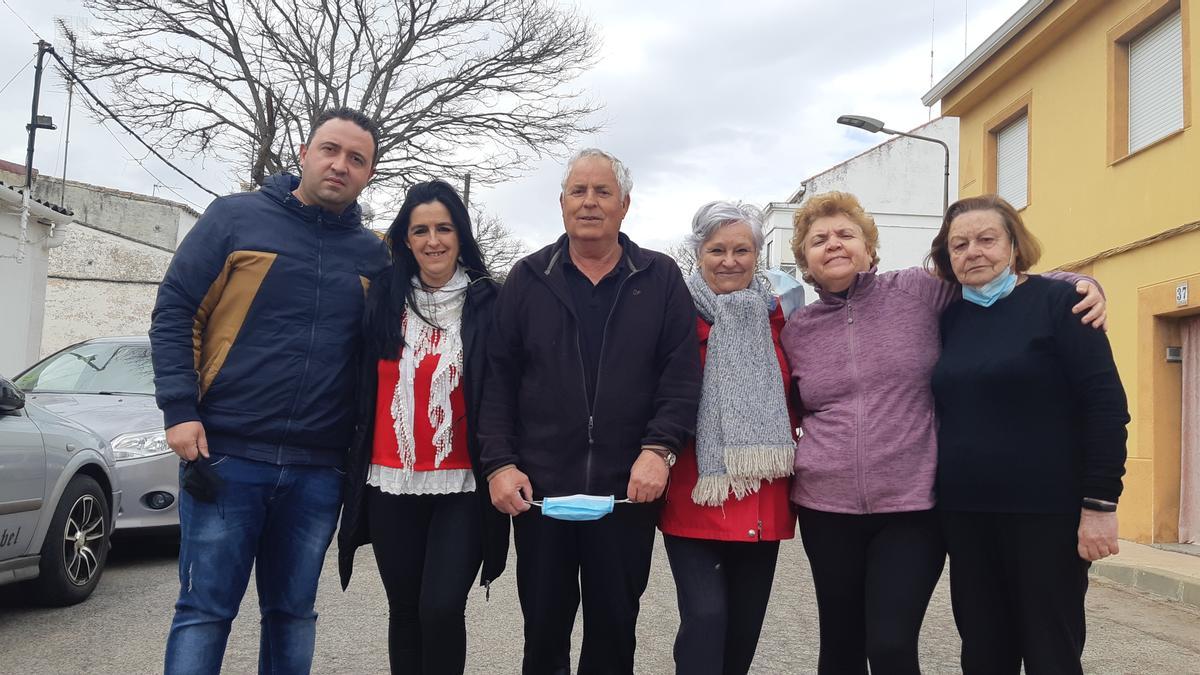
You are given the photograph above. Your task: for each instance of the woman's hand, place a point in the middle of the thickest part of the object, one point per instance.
(1093, 304)
(1097, 534)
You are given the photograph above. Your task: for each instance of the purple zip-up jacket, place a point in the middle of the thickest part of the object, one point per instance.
(861, 367)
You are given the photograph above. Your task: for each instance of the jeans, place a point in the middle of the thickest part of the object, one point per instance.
(723, 589)
(428, 549)
(277, 519)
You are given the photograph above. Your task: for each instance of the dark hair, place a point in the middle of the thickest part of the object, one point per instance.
(392, 290)
(1028, 250)
(350, 115)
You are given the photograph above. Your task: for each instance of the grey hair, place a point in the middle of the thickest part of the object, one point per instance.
(715, 215)
(624, 178)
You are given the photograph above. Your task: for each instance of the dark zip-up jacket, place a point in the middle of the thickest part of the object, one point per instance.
(258, 324)
(355, 531)
(536, 411)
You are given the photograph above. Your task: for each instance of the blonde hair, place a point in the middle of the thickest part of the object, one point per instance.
(824, 206)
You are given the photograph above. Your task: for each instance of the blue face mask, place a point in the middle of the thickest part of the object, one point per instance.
(996, 289)
(577, 507)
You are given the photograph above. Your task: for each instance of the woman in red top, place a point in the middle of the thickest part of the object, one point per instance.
(727, 503)
(412, 478)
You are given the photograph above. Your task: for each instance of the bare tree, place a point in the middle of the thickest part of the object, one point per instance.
(500, 247)
(457, 86)
(684, 255)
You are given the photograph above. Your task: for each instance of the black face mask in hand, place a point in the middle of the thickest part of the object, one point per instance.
(200, 481)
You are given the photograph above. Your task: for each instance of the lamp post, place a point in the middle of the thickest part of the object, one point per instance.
(874, 126)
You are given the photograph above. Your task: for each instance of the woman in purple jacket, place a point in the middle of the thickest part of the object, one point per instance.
(861, 359)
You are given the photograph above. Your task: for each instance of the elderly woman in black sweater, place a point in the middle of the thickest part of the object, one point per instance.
(1031, 447)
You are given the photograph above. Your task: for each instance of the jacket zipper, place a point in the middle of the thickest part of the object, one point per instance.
(312, 336)
(596, 391)
(860, 474)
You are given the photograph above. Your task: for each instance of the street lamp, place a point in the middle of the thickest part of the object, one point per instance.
(873, 125)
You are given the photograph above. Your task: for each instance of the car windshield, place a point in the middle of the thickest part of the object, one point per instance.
(94, 368)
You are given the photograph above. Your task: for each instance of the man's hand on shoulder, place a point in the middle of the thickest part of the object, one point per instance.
(648, 477)
(188, 441)
(510, 490)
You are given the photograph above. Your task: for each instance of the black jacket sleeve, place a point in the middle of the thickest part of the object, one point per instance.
(498, 412)
(1099, 395)
(677, 395)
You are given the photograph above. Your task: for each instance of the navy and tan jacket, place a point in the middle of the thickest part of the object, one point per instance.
(257, 328)
(536, 410)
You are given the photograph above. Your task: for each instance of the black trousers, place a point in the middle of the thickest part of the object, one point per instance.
(605, 561)
(428, 549)
(874, 575)
(1017, 586)
(723, 588)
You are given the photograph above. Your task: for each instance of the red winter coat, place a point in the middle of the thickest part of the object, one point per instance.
(765, 515)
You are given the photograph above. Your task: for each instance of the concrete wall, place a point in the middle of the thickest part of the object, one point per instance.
(100, 284)
(142, 217)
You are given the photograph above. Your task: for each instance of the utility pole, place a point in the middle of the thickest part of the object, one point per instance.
(467, 191)
(36, 121)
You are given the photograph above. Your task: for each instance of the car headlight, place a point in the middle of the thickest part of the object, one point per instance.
(144, 444)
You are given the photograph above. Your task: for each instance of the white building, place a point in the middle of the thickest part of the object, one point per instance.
(104, 278)
(899, 182)
(24, 259)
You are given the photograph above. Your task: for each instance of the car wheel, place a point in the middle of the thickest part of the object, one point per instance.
(76, 545)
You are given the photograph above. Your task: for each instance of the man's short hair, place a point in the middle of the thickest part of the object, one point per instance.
(624, 178)
(350, 115)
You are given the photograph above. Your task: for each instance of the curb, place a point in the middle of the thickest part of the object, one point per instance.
(1166, 584)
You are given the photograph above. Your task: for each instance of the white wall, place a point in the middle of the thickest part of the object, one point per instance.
(22, 291)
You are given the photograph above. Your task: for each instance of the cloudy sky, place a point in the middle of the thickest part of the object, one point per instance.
(702, 99)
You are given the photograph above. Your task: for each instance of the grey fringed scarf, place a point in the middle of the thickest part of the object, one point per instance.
(743, 434)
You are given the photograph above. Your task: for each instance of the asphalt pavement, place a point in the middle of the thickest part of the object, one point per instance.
(122, 628)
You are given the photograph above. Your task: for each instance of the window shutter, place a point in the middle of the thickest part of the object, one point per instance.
(1156, 82)
(1012, 162)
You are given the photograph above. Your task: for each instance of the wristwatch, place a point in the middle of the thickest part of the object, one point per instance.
(668, 457)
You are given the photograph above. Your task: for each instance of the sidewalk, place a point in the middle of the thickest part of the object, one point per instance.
(1173, 575)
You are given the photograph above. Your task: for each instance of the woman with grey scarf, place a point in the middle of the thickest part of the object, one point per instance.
(727, 503)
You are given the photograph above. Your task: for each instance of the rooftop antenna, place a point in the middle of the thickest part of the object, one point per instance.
(932, 35)
(69, 33)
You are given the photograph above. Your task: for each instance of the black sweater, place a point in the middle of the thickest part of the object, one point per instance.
(1032, 412)
(537, 413)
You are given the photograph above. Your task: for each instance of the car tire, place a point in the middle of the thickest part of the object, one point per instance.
(76, 545)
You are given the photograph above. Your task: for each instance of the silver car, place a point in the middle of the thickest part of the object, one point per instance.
(58, 491)
(107, 385)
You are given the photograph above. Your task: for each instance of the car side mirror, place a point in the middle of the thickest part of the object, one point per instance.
(12, 399)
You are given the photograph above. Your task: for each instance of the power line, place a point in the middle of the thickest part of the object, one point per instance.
(14, 12)
(131, 132)
(17, 74)
(147, 169)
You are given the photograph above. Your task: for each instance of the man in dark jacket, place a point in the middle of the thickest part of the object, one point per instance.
(255, 336)
(593, 388)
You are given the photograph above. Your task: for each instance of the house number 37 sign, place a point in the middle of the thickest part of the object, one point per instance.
(1181, 294)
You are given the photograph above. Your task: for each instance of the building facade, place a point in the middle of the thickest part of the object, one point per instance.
(1079, 113)
(899, 182)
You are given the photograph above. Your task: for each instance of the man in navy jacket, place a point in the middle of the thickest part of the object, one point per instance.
(593, 387)
(255, 335)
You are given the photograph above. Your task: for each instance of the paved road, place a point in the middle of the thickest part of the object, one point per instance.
(122, 628)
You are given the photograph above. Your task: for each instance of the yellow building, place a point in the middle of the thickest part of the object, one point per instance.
(1079, 112)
